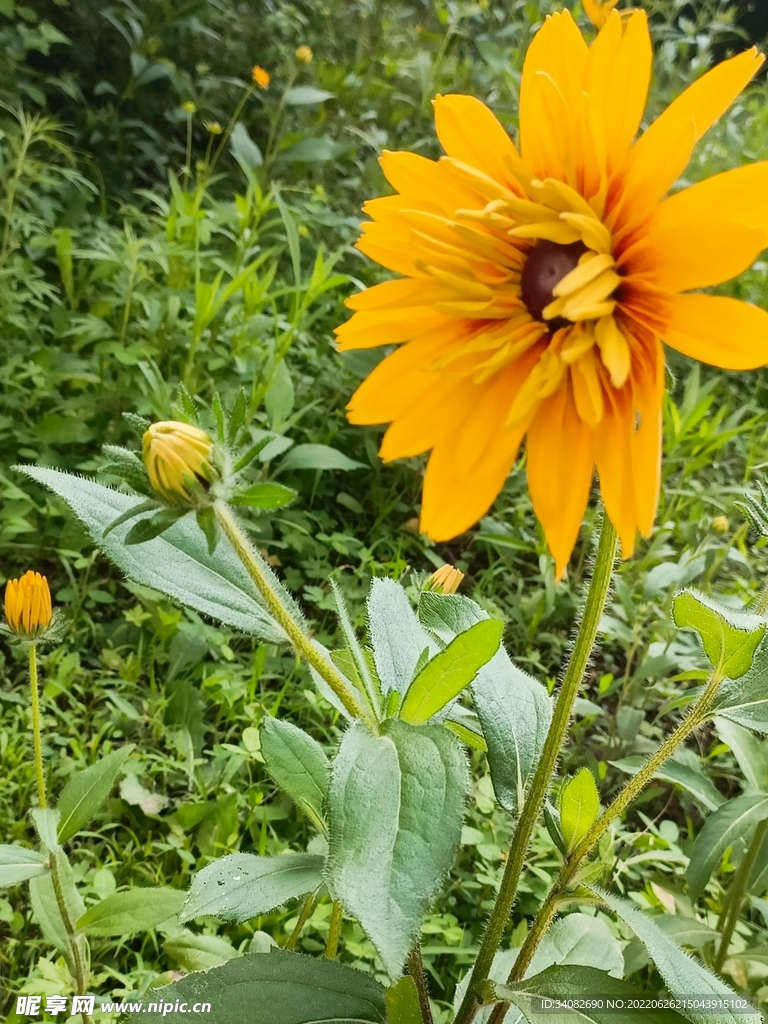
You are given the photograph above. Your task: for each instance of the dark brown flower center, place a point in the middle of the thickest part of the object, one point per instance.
(546, 265)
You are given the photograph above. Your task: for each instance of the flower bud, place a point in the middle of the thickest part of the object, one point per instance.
(598, 10)
(213, 127)
(260, 76)
(178, 459)
(304, 55)
(446, 580)
(28, 610)
(720, 523)
(188, 106)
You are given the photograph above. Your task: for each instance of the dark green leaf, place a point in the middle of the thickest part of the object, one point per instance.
(285, 988)
(148, 529)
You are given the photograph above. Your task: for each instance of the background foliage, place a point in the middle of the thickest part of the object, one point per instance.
(127, 267)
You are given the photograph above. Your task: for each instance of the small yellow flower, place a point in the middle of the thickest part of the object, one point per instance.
(446, 580)
(720, 523)
(260, 76)
(178, 461)
(188, 106)
(213, 127)
(28, 608)
(304, 55)
(598, 10)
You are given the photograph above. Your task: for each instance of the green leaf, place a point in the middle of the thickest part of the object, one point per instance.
(317, 456)
(683, 975)
(46, 821)
(280, 397)
(729, 637)
(244, 149)
(264, 496)
(242, 886)
(199, 952)
(45, 905)
(450, 671)
(250, 453)
(403, 1002)
(745, 700)
(147, 529)
(395, 806)
(569, 982)
(87, 790)
(730, 822)
(397, 638)
(136, 910)
(579, 805)
(579, 939)
(310, 151)
(303, 94)
(17, 864)
(284, 988)
(297, 763)
(177, 564)
(749, 752)
(686, 931)
(514, 708)
(695, 782)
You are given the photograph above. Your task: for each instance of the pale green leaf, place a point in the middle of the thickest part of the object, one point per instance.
(750, 753)
(17, 864)
(284, 988)
(579, 939)
(242, 886)
(450, 671)
(136, 910)
(579, 805)
(304, 94)
(395, 804)
(317, 456)
(87, 790)
(728, 823)
(397, 638)
(695, 782)
(46, 821)
(403, 1002)
(297, 763)
(682, 974)
(45, 904)
(264, 496)
(729, 637)
(199, 952)
(178, 563)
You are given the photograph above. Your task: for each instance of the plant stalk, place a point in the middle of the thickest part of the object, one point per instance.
(334, 932)
(582, 649)
(697, 714)
(304, 915)
(36, 726)
(295, 632)
(416, 971)
(736, 894)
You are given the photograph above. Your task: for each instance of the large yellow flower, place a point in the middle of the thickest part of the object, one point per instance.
(538, 284)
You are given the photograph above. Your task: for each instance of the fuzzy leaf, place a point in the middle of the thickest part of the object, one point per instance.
(17, 864)
(265, 496)
(729, 637)
(242, 886)
(177, 564)
(579, 806)
(395, 804)
(397, 638)
(297, 763)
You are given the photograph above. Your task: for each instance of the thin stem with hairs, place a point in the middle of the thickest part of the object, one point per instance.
(577, 663)
(334, 932)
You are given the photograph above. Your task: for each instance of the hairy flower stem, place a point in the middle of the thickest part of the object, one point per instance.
(697, 715)
(582, 649)
(334, 932)
(36, 726)
(416, 971)
(293, 629)
(735, 896)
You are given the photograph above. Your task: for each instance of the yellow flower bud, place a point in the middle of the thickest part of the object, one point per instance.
(189, 106)
(260, 76)
(178, 461)
(720, 523)
(446, 580)
(28, 609)
(598, 10)
(304, 55)
(213, 127)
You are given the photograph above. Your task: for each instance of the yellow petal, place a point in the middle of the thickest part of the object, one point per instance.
(717, 330)
(425, 180)
(614, 349)
(389, 327)
(739, 196)
(587, 390)
(648, 392)
(469, 132)
(613, 458)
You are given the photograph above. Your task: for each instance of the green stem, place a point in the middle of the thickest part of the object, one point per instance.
(697, 714)
(334, 932)
(761, 605)
(72, 936)
(269, 151)
(416, 971)
(736, 894)
(295, 632)
(306, 912)
(582, 649)
(36, 726)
